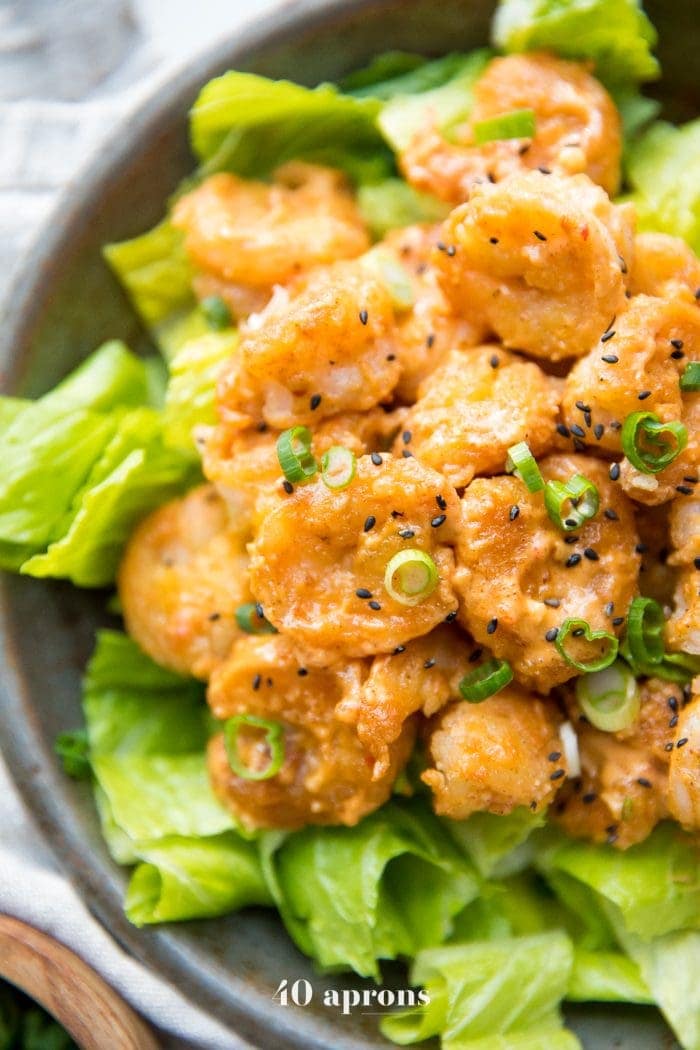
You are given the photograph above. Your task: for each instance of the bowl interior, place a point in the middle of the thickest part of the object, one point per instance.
(66, 302)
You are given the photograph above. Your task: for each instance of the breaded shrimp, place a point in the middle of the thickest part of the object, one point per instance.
(474, 407)
(518, 580)
(255, 235)
(328, 349)
(634, 357)
(664, 266)
(495, 756)
(672, 482)
(429, 328)
(621, 794)
(243, 464)
(424, 676)
(318, 562)
(183, 575)
(657, 576)
(326, 775)
(683, 628)
(683, 777)
(541, 260)
(577, 129)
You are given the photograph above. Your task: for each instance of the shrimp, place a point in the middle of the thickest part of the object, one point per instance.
(621, 794)
(428, 329)
(683, 628)
(253, 235)
(664, 266)
(243, 464)
(635, 356)
(319, 559)
(424, 677)
(495, 756)
(683, 778)
(326, 774)
(541, 260)
(672, 482)
(330, 348)
(183, 575)
(474, 407)
(657, 576)
(577, 129)
(519, 577)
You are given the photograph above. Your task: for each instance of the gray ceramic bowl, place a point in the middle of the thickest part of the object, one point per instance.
(64, 303)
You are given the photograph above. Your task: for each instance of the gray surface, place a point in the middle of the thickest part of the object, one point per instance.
(64, 304)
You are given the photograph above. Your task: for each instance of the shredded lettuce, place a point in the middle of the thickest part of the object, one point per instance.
(190, 400)
(616, 34)
(663, 169)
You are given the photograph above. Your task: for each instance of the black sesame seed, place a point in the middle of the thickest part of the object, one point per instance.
(451, 250)
(609, 609)
(563, 430)
(554, 756)
(553, 603)
(494, 361)
(598, 430)
(588, 419)
(617, 621)
(391, 357)
(677, 355)
(257, 679)
(668, 747)
(399, 649)
(643, 782)
(406, 453)
(614, 472)
(579, 445)
(677, 344)
(590, 554)
(571, 523)
(364, 317)
(429, 663)
(551, 634)
(685, 490)
(492, 625)
(441, 502)
(513, 512)
(673, 722)
(406, 534)
(623, 265)
(672, 703)
(696, 563)
(302, 672)
(641, 548)
(374, 605)
(406, 437)
(577, 430)
(439, 520)
(643, 395)
(610, 359)
(611, 514)
(571, 539)
(493, 240)
(441, 246)
(213, 617)
(612, 834)
(369, 524)
(259, 611)
(692, 479)
(430, 341)
(476, 655)
(261, 427)
(362, 592)
(376, 459)
(451, 616)
(558, 774)
(578, 632)
(572, 560)
(582, 407)
(543, 170)
(315, 402)
(397, 514)
(288, 487)
(682, 742)
(589, 797)
(607, 335)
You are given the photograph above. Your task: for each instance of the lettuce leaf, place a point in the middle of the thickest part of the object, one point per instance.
(663, 169)
(393, 203)
(147, 730)
(447, 104)
(190, 396)
(251, 125)
(606, 977)
(497, 845)
(616, 34)
(387, 887)
(490, 995)
(402, 73)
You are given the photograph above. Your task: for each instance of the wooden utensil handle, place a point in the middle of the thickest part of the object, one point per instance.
(92, 1012)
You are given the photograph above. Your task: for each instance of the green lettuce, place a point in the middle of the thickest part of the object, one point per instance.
(387, 887)
(497, 844)
(190, 396)
(250, 125)
(663, 169)
(147, 732)
(393, 203)
(402, 73)
(616, 34)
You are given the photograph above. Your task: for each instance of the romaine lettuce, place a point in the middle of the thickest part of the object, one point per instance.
(190, 396)
(663, 169)
(497, 844)
(393, 203)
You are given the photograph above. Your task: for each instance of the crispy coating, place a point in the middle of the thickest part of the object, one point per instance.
(333, 339)
(672, 482)
(577, 129)
(621, 794)
(474, 407)
(252, 235)
(683, 628)
(508, 567)
(644, 335)
(664, 266)
(183, 575)
(683, 778)
(318, 547)
(326, 776)
(430, 329)
(424, 677)
(541, 260)
(495, 755)
(657, 574)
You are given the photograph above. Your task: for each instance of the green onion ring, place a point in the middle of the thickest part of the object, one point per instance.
(645, 626)
(609, 698)
(485, 681)
(294, 454)
(517, 124)
(274, 738)
(338, 467)
(522, 462)
(250, 621)
(410, 576)
(581, 493)
(639, 426)
(690, 380)
(591, 636)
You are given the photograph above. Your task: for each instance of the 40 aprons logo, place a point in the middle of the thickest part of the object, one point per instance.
(302, 993)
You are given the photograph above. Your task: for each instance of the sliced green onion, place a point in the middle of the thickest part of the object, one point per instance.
(411, 576)
(518, 124)
(645, 626)
(249, 620)
(690, 380)
(485, 681)
(644, 429)
(583, 626)
(338, 466)
(609, 698)
(581, 496)
(73, 748)
(393, 275)
(274, 738)
(216, 312)
(520, 461)
(294, 454)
